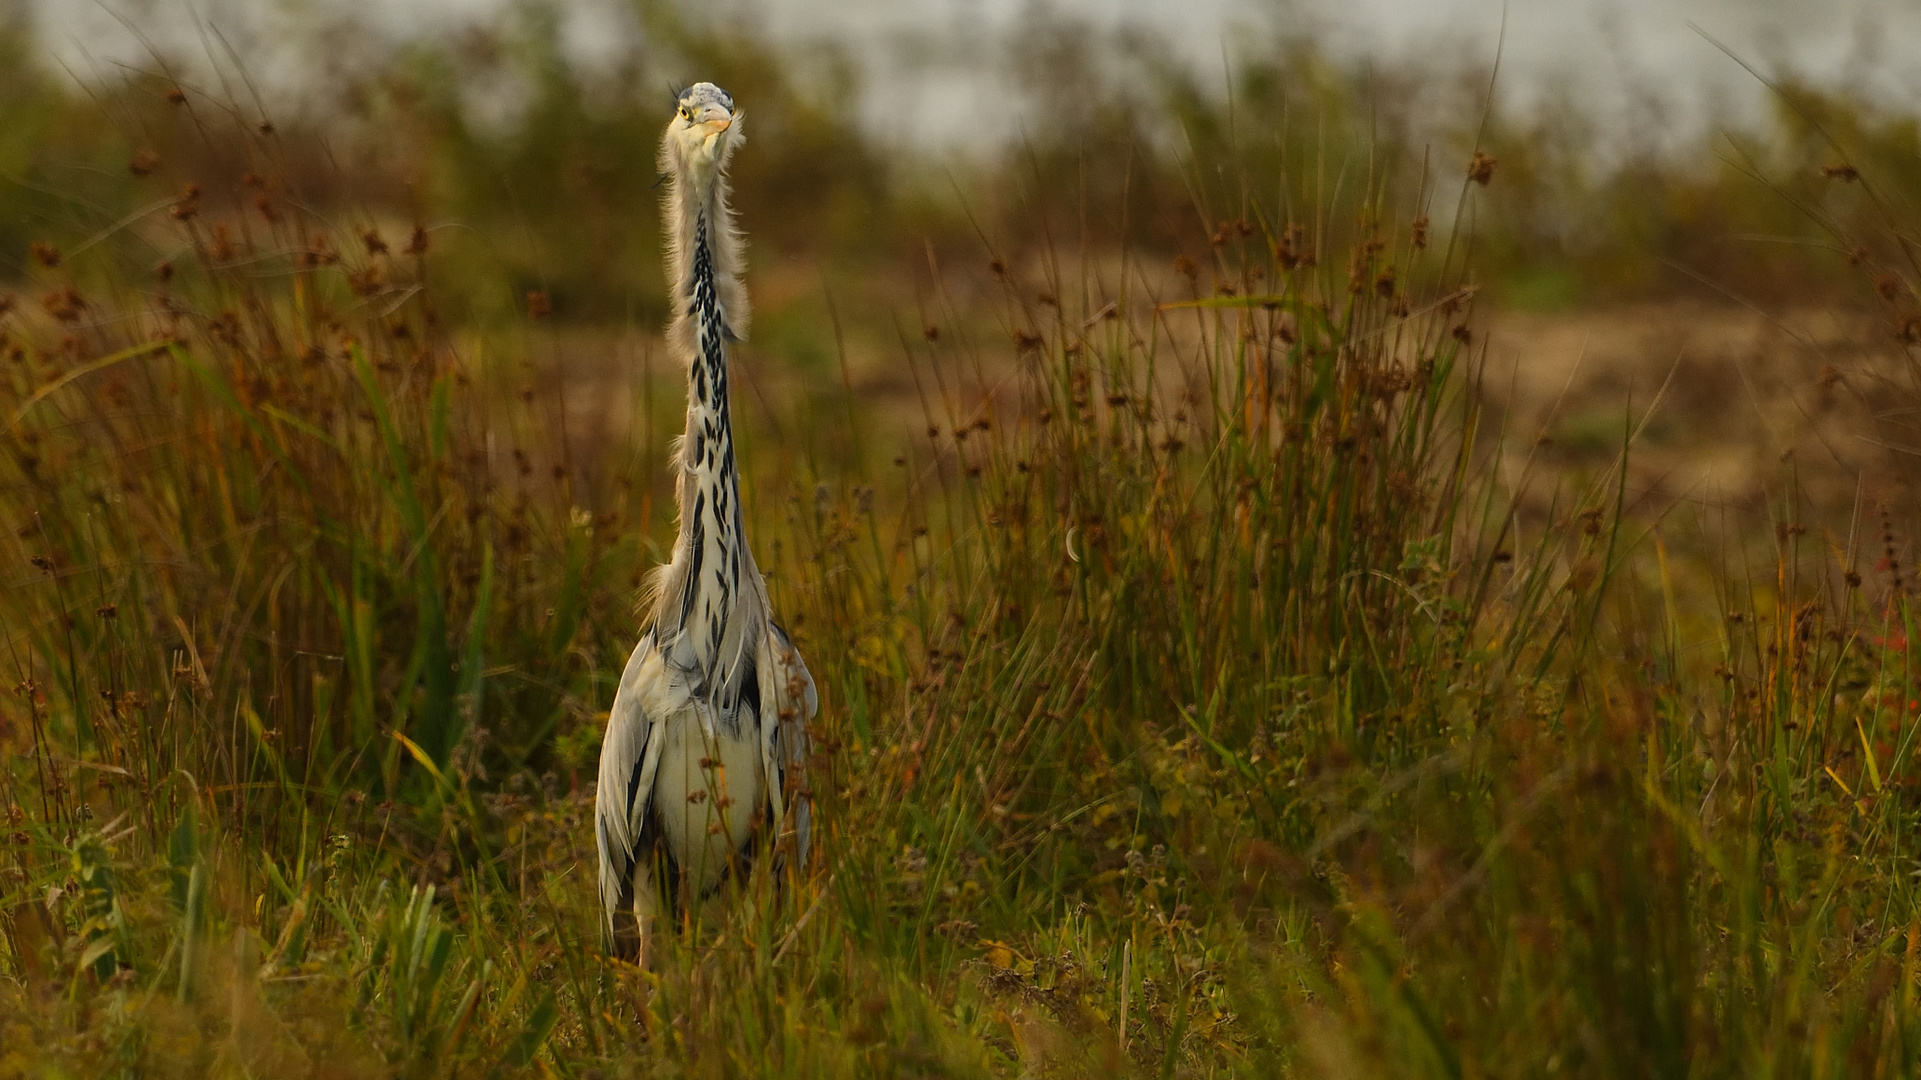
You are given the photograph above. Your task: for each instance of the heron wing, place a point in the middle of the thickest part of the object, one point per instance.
(629, 759)
(789, 701)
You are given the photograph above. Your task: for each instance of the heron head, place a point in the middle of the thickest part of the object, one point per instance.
(703, 132)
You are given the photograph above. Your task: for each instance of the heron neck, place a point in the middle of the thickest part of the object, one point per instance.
(710, 518)
(707, 374)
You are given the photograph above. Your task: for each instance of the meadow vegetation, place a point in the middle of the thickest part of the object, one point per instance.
(1195, 702)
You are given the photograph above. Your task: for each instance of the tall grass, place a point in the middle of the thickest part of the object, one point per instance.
(1194, 703)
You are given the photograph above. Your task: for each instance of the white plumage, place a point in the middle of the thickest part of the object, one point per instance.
(706, 745)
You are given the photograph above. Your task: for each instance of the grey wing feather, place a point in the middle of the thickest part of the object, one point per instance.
(629, 758)
(785, 745)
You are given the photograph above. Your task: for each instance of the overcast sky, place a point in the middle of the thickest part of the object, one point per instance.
(930, 63)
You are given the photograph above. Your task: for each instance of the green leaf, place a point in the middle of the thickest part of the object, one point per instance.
(520, 1053)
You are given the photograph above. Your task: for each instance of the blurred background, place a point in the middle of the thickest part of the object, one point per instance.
(934, 74)
(1664, 193)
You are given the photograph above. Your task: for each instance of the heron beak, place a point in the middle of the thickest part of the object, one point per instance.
(709, 131)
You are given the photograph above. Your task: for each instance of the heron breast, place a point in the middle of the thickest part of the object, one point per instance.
(705, 795)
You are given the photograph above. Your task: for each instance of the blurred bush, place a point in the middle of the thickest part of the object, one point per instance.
(541, 170)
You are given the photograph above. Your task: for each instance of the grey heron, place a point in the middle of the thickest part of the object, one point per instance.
(703, 759)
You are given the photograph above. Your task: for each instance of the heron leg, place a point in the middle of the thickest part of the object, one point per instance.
(651, 890)
(646, 907)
